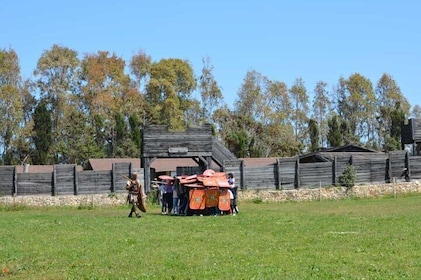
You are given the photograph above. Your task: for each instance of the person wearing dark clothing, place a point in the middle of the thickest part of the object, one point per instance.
(168, 196)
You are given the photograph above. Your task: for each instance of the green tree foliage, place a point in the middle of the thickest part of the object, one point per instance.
(140, 66)
(136, 136)
(389, 96)
(321, 108)
(334, 136)
(57, 75)
(209, 90)
(348, 177)
(78, 142)
(93, 108)
(357, 104)
(397, 120)
(103, 93)
(299, 118)
(416, 112)
(168, 92)
(314, 135)
(43, 134)
(11, 104)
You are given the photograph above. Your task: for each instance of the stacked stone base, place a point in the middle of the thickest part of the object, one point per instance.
(329, 193)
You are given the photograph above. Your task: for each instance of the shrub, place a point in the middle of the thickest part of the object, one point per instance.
(348, 177)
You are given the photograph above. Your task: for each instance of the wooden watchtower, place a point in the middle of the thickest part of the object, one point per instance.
(195, 142)
(411, 133)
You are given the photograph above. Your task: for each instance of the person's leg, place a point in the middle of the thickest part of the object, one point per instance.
(131, 210)
(164, 203)
(176, 206)
(232, 210)
(137, 211)
(169, 203)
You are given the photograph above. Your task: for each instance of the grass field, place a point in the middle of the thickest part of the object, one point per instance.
(347, 239)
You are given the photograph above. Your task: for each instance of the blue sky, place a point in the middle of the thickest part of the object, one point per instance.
(283, 40)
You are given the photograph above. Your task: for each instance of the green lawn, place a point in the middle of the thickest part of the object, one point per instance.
(347, 239)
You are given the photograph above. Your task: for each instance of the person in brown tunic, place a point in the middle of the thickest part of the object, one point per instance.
(136, 196)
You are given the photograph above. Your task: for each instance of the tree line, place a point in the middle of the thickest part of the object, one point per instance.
(75, 108)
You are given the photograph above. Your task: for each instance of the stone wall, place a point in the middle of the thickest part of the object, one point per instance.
(329, 193)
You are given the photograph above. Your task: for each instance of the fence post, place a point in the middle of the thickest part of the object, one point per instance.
(394, 187)
(297, 173)
(75, 184)
(54, 191)
(408, 167)
(278, 182)
(242, 175)
(389, 171)
(15, 182)
(112, 189)
(334, 168)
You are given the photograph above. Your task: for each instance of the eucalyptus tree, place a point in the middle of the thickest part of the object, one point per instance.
(168, 92)
(251, 115)
(357, 105)
(321, 109)
(11, 104)
(279, 137)
(262, 118)
(140, 66)
(57, 80)
(78, 144)
(391, 102)
(416, 111)
(105, 92)
(210, 92)
(299, 118)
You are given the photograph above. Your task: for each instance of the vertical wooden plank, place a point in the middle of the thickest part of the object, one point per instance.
(334, 168)
(278, 175)
(407, 166)
(297, 173)
(75, 183)
(242, 175)
(15, 182)
(54, 180)
(147, 174)
(113, 175)
(389, 168)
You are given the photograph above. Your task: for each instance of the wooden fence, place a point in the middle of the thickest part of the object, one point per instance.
(289, 173)
(286, 173)
(66, 180)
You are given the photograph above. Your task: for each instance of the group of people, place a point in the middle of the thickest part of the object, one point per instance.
(174, 198)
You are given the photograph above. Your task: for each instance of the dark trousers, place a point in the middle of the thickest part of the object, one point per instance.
(168, 201)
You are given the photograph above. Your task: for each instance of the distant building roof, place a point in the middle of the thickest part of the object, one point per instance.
(107, 163)
(159, 164)
(255, 162)
(39, 168)
(328, 154)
